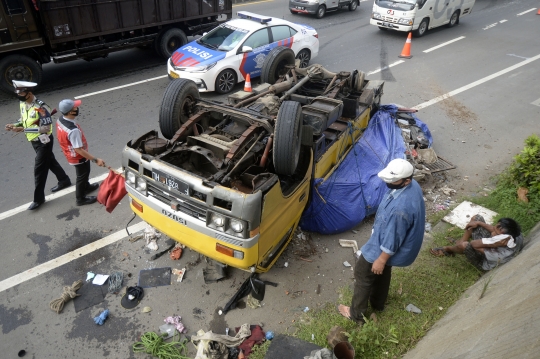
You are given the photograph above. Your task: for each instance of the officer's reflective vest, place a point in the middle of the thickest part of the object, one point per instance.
(36, 115)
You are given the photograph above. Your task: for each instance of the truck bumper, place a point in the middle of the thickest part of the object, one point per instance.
(390, 25)
(191, 233)
(302, 7)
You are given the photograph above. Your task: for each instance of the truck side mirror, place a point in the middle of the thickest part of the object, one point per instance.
(247, 49)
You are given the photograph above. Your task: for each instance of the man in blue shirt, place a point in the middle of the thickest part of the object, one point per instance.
(395, 240)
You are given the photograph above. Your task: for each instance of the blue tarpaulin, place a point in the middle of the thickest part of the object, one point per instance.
(354, 191)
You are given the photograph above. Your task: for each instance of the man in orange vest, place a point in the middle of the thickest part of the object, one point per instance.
(75, 148)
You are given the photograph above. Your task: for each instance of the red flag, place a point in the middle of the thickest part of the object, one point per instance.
(111, 191)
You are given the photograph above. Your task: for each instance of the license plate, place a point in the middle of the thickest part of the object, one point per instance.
(174, 75)
(300, 7)
(171, 182)
(386, 24)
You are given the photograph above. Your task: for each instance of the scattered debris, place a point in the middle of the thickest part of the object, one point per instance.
(286, 264)
(306, 309)
(373, 317)
(522, 194)
(269, 335)
(252, 302)
(427, 227)
(400, 290)
(411, 308)
(69, 293)
(346, 264)
(318, 290)
(100, 319)
(180, 273)
(151, 235)
(146, 310)
(176, 252)
(167, 329)
(349, 243)
(100, 279)
(115, 282)
(136, 238)
(176, 320)
(90, 276)
(447, 190)
(354, 231)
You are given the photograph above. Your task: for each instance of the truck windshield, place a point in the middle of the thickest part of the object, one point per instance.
(403, 5)
(224, 37)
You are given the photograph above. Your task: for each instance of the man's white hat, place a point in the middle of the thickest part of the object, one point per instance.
(22, 86)
(396, 170)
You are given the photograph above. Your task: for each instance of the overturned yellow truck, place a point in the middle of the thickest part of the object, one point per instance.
(231, 181)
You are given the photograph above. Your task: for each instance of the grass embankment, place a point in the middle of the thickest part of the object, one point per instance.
(431, 284)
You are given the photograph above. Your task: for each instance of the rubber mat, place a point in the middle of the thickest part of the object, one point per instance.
(284, 346)
(156, 277)
(90, 295)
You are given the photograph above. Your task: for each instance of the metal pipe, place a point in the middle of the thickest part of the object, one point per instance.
(295, 87)
(264, 157)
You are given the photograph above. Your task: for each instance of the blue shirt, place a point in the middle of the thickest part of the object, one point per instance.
(399, 227)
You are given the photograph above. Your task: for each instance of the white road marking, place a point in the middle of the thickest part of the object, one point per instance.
(520, 57)
(50, 197)
(120, 87)
(524, 12)
(536, 103)
(476, 83)
(68, 257)
(386, 67)
(502, 21)
(490, 26)
(443, 44)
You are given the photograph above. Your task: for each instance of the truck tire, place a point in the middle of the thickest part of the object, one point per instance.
(353, 5)
(274, 64)
(168, 42)
(287, 138)
(19, 67)
(422, 28)
(454, 20)
(177, 105)
(321, 11)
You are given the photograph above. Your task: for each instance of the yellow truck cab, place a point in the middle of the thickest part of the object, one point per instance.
(231, 181)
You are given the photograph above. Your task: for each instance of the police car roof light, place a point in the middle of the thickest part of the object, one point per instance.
(251, 16)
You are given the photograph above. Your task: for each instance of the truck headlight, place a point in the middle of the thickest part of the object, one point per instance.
(237, 226)
(405, 21)
(376, 15)
(140, 185)
(130, 178)
(218, 220)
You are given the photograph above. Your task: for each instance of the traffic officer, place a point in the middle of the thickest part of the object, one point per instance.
(75, 148)
(36, 122)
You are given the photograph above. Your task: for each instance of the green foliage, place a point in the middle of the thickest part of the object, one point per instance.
(525, 170)
(259, 351)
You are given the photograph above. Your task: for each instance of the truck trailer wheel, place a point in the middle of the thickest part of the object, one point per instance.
(274, 64)
(168, 42)
(177, 106)
(287, 138)
(19, 67)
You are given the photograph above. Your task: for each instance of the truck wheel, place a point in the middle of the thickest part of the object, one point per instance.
(225, 81)
(170, 41)
(353, 5)
(454, 20)
(422, 28)
(304, 56)
(177, 106)
(274, 64)
(287, 138)
(320, 12)
(19, 67)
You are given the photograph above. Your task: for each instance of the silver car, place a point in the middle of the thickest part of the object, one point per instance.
(320, 7)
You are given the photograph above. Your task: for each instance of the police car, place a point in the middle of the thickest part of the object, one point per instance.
(224, 56)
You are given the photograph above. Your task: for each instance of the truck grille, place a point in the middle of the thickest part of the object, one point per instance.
(389, 19)
(185, 206)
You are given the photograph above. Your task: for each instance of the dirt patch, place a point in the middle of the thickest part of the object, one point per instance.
(12, 318)
(218, 323)
(42, 242)
(69, 215)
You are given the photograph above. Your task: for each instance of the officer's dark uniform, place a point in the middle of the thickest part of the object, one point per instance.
(36, 121)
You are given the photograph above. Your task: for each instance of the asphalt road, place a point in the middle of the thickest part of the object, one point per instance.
(488, 77)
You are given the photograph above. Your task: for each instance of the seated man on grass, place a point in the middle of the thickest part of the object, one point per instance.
(490, 245)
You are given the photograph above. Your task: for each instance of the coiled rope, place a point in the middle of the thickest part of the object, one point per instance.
(154, 344)
(69, 293)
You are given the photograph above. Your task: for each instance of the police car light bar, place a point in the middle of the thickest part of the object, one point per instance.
(251, 16)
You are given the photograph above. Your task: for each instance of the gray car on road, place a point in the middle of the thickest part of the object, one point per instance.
(320, 7)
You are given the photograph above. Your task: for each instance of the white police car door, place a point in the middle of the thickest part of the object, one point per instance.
(252, 61)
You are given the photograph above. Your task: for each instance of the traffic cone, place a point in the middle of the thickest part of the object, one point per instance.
(406, 52)
(247, 85)
(538, 13)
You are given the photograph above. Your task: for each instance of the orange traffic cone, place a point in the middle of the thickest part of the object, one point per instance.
(538, 13)
(247, 85)
(406, 52)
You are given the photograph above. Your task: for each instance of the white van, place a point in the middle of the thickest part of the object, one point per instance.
(418, 15)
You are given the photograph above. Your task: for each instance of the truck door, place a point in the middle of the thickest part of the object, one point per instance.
(440, 11)
(424, 10)
(18, 23)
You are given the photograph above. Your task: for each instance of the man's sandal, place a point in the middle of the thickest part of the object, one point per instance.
(440, 252)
